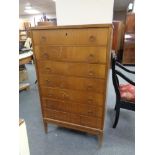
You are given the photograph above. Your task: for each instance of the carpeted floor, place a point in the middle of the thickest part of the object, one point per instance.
(61, 141)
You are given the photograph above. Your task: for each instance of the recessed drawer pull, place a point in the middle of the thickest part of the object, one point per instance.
(65, 96)
(89, 87)
(90, 112)
(43, 38)
(49, 70)
(47, 82)
(91, 57)
(92, 38)
(49, 95)
(59, 54)
(91, 73)
(90, 100)
(45, 55)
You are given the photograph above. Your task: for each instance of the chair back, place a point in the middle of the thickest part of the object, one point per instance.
(115, 79)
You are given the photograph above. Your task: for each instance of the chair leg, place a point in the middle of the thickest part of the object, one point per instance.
(117, 116)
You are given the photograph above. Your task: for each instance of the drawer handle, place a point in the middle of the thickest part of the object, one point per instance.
(45, 55)
(90, 100)
(49, 70)
(59, 54)
(43, 38)
(49, 95)
(89, 87)
(47, 82)
(65, 96)
(90, 112)
(91, 57)
(92, 38)
(91, 73)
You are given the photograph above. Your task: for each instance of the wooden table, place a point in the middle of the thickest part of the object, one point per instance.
(24, 59)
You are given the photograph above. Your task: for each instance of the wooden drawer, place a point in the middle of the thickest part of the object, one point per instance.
(58, 115)
(73, 118)
(91, 36)
(70, 107)
(91, 122)
(71, 54)
(76, 83)
(71, 69)
(73, 96)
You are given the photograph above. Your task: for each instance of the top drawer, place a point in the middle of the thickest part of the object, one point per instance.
(90, 36)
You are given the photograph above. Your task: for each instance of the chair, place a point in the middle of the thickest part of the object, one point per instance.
(125, 93)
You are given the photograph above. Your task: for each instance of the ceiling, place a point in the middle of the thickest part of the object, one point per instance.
(44, 6)
(121, 5)
(48, 6)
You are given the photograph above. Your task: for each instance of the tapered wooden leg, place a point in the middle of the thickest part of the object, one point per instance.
(45, 127)
(100, 139)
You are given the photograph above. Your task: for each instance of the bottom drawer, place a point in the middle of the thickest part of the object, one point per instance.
(76, 108)
(73, 118)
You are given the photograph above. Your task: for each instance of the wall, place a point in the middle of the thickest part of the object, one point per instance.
(119, 15)
(78, 12)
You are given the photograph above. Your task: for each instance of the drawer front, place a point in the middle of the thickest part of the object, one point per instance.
(58, 115)
(70, 107)
(91, 121)
(90, 36)
(73, 96)
(75, 83)
(71, 54)
(71, 69)
(73, 118)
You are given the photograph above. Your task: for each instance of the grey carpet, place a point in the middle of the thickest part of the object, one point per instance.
(61, 141)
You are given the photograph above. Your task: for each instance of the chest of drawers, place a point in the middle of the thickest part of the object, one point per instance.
(72, 64)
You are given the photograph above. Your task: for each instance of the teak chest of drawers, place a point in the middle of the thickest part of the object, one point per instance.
(72, 64)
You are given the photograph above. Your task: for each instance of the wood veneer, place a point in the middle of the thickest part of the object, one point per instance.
(72, 64)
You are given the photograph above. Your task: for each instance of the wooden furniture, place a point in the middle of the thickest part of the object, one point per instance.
(125, 93)
(72, 65)
(24, 59)
(24, 31)
(129, 40)
(46, 23)
(129, 49)
(130, 23)
(118, 37)
(22, 35)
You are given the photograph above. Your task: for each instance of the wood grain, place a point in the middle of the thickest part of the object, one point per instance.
(75, 83)
(71, 69)
(72, 54)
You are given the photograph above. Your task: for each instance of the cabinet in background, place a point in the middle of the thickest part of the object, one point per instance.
(129, 40)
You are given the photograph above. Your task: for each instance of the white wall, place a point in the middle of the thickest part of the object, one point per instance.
(78, 12)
